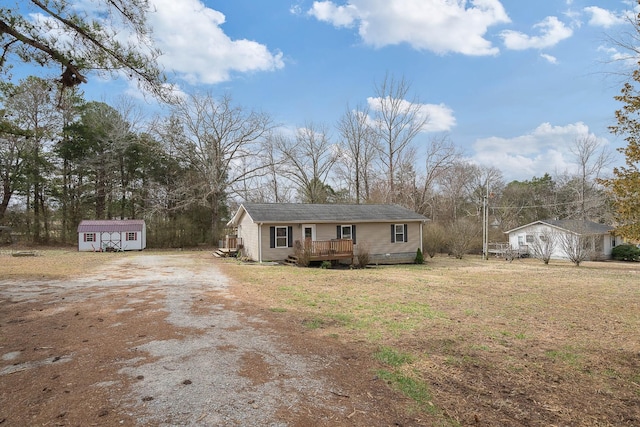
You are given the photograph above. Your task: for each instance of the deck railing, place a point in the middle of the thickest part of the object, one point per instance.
(232, 243)
(329, 248)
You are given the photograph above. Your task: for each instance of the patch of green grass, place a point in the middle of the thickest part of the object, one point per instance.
(415, 308)
(567, 355)
(315, 323)
(341, 318)
(391, 357)
(482, 347)
(278, 310)
(415, 389)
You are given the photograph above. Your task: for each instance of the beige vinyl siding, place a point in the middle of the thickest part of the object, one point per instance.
(278, 254)
(248, 231)
(376, 238)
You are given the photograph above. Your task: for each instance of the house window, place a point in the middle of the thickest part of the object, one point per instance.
(399, 233)
(346, 232)
(529, 238)
(132, 236)
(89, 237)
(282, 237)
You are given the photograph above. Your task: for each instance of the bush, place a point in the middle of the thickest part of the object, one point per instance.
(626, 252)
(362, 256)
(303, 253)
(325, 265)
(419, 257)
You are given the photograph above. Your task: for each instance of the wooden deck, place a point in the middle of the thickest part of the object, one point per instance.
(504, 250)
(229, 247)
(322, 250)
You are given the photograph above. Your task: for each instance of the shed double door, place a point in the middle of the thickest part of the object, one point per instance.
(110, 241)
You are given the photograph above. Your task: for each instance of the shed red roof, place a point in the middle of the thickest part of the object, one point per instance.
(118, 225)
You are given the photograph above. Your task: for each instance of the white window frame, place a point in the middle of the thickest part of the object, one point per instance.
(398, 235)
(350, 233)
(279, 237)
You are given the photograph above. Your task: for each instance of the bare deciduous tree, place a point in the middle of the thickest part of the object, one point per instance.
(397, 122)
(441, 156)
(463, 234)
(218, 142)
(576, 246)
(360, 147)
(308, 161)
(591, 159)
(435, 238)
(544, 244)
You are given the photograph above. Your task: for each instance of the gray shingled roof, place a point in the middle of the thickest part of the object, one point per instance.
(579, 226)
(573, 225)
(316, 213)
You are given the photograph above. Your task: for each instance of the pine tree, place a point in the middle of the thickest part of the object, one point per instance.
(625, 184)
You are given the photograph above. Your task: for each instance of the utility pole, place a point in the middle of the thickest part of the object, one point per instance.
(485, 224)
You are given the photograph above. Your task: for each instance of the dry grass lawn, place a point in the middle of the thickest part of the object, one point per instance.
(472, 342)
(481, 342)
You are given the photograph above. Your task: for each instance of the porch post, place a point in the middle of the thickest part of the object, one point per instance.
(260, 242)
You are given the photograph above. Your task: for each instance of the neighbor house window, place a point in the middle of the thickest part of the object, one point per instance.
(132, 236)
(529, 238)
(346, 232)
(89, 237)
(282, 237)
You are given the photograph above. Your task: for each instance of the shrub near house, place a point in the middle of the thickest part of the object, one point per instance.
(626, 252)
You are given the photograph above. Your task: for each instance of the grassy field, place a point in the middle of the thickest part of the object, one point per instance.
(472, 342)
(475, 341)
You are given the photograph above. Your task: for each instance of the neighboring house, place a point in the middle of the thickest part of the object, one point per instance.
(269, 231)
(112, 235)
(599, 237)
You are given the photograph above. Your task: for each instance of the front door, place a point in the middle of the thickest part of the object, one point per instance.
(309, 232)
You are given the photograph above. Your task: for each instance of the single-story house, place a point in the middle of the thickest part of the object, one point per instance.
(269, 231)
(112, 235)
(599, 237)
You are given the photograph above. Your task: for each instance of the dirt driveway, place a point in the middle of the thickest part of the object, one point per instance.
(164, 340)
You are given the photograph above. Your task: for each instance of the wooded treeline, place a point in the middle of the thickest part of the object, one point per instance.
(63, 159)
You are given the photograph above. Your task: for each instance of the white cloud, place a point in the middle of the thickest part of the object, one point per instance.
(440, 26)
(196, 48)
(545, 150)
(340, 16)
(604, 18)
(550, 58)
(552, 31)
(440, 118)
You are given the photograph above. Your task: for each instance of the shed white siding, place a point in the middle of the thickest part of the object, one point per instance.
(115, 235)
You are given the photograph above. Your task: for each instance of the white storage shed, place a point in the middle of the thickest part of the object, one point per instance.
(112, 235)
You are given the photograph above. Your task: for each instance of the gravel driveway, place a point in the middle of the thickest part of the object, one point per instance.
(155, 340)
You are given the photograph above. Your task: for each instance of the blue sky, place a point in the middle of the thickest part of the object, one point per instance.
(512, 82)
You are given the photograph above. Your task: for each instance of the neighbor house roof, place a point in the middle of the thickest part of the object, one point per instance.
(119, 225)
(318, 213)
(572, 225)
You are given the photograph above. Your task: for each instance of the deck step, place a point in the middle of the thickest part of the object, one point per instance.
(291, 260)
(224, 253)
